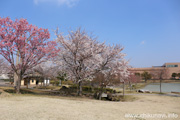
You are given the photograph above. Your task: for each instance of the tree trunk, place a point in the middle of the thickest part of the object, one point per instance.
(100, 93)
(123, 88)
(92, 86)
(130, 86)
(18, 84)
(160, 85)
(15, 82)
(27, 82)
(80, 88)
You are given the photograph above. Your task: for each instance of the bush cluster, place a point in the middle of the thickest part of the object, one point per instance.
(90, 89)
(54, 82)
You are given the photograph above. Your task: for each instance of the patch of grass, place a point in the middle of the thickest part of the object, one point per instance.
(9, 90)
(130, 91)
(22, 91)
(117, 90)
(49, 87)
(159, 93)
(141, 85)
(127, 98)
(38, 93)
(3, 88)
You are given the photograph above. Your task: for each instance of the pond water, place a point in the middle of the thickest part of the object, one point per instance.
(165, 87)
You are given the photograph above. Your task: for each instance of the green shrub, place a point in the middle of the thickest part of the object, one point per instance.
(133, 86)
(106, 90)
(74, 86)
(90, 89)
(68, 82)
(109, 90)
(87, 88)
(54, 82)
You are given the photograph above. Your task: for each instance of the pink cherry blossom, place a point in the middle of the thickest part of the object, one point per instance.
(30, 43)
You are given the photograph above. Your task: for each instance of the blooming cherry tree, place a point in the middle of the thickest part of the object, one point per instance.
(28, 42)
(133, 79)
(113, 66)
(82, 57)
(77, 56)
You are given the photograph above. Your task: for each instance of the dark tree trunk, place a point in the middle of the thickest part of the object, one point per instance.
(100, 93)
(79, 88)
(130, 86)
(18, 84)
(27, 82)
(15, 85)
(92, 86)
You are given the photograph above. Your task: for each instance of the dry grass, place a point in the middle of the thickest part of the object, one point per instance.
(4, 94)
(30, 107)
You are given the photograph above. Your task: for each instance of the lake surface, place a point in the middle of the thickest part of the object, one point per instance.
(165, 87)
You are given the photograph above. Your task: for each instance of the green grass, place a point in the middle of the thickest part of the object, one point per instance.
(49, 87)
(23, 90)
(117, 90)
(48, 93)
(130, 91)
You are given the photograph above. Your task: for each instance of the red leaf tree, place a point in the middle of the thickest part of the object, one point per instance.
(21, 41)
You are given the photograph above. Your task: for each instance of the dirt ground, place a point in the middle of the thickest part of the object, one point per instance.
(28, 107)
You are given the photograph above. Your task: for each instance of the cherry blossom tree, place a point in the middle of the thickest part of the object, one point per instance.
(145, 75)
(124, 74)
(28, 42)
(77, 56)
(82, 57)
(133, 78)
(112, 65)
(161, 74)
(47, 70)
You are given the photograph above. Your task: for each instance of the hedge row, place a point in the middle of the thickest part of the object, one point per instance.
(91, 89)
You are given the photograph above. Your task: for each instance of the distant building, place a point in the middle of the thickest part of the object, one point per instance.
(155, 70)
(35, 79)
(28, 79)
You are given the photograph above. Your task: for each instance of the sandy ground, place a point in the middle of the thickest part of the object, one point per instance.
(23, 107)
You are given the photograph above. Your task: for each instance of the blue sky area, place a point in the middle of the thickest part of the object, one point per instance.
(149, 30)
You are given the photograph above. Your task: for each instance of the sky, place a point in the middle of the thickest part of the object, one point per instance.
(149, 30)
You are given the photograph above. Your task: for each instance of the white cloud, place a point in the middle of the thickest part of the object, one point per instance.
(142, 42)
(69, 3)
